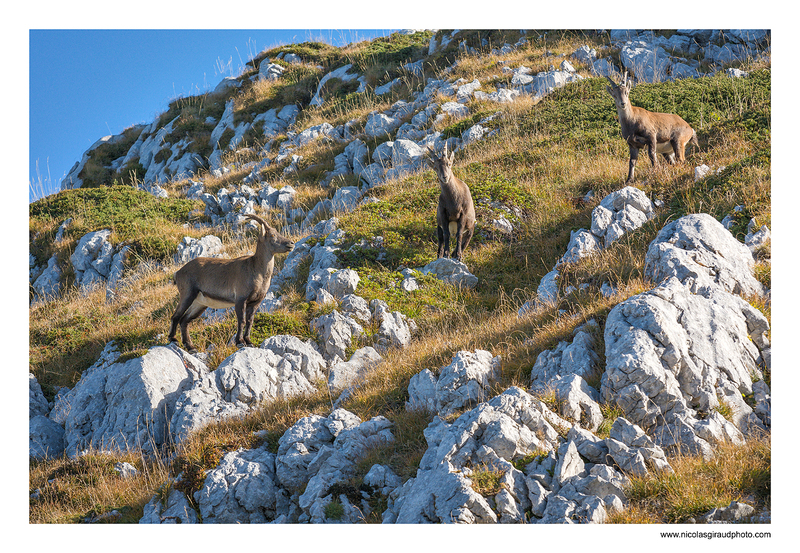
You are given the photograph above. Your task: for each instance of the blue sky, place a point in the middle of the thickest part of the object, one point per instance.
(87, 84)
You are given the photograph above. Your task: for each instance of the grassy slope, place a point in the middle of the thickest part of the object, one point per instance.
(542, 157)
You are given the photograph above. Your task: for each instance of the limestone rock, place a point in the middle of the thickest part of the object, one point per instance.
(128, 405)
(671, 354)
(343, 375)
(45, 438)
(176, 510)
(303, 356)
(254, 375)
(465, 381)
(620, 212)
(701, 253)
(190, 248)
(578, 401)
(394, 328)
(37, 403)
(577, 357)
(241, 489)
(451, 271)
(336, 333)
(336, 462)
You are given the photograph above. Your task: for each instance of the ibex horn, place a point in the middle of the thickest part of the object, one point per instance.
(264, 224)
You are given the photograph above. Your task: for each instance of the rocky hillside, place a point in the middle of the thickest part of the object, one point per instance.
(599, 344)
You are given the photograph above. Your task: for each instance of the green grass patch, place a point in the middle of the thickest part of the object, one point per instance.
(152, 226)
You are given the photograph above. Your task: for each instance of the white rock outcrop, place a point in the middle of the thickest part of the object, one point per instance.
(697, 250)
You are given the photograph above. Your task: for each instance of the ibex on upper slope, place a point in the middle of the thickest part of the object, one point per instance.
(662, 133)
(240, 283)
(455, 213)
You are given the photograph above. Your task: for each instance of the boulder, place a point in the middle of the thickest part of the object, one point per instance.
(190, 248)
(454, 109)
(462, 383)
(394, 328)
(357, 308)
(37, 403)
(336, 463)
(574, 358)
(438, 495)
(345, 199)
(340, 283)
(242, 489)
(309, 438)
(256, 375)
(493, 434)
(647, 63)
(45, 438)
(302, 356)
(48, 283)
(578, 401)
(450, 271)
(128, 406)
(620, 212)
(382, 479)
(702, 254)
(336, 333)
(92, 258)
(466, 380)
(343, 375)
(671, 354)
(633, 450)
(201, 404)
(735, 512)
(582, 243)
(380, 125)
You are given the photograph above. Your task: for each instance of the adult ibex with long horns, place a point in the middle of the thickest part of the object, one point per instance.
(241, 283)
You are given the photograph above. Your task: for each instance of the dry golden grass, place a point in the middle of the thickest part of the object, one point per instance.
(74, 490)
(737, 473)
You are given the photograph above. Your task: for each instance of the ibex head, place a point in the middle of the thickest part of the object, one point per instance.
(442, 165)
(620, 91)
(273, 239)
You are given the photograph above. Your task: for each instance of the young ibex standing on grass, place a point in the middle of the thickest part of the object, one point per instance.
(220, 283)
(456, 213)
(662, 133)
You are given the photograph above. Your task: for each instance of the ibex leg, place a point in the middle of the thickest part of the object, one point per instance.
(444, 241)
(183, 305)
(250, 313)
(678, 148)
(632, 164)
(194, 311)
(467, 236)
(652, 151)
(459, 230)
(240, 311)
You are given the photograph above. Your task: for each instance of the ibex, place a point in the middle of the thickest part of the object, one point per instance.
(455, 214)
(662, 133)
(240, 283)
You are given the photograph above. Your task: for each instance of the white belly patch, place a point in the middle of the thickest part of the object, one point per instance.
(453, 227)
(202, 299)
(664, 148)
